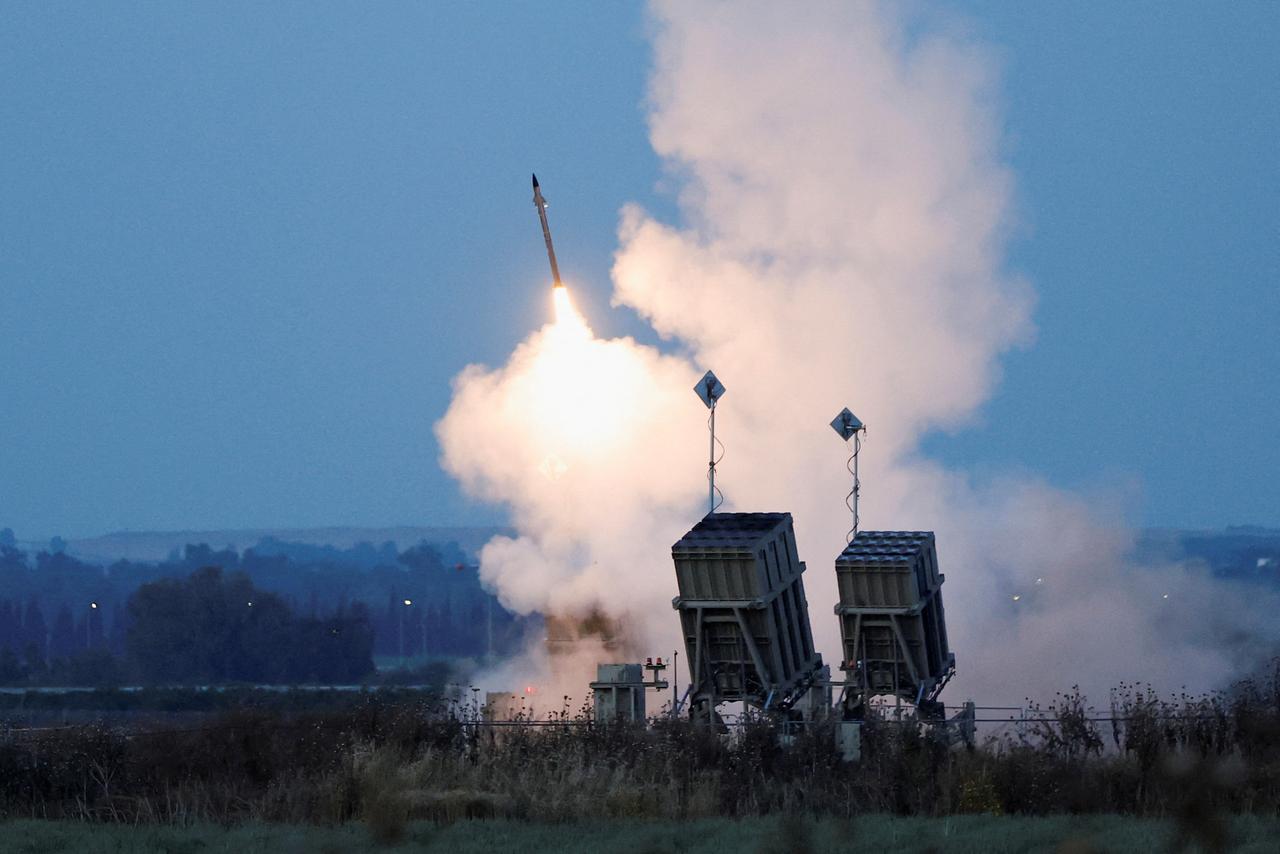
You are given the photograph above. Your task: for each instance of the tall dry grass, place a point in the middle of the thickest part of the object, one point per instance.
(390, 763)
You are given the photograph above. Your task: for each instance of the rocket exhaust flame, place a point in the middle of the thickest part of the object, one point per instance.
(567, 316)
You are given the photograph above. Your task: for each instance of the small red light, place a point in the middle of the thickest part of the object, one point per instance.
(659, 662)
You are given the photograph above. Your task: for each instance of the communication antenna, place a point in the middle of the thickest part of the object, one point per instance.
(851, 430)
(710, 390)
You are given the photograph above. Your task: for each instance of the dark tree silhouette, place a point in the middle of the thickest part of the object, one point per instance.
(211, 627)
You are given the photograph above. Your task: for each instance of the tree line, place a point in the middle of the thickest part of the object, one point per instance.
(66, 621)
(206, 628)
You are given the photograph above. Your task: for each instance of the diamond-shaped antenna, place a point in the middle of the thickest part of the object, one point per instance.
(846, 424)
(709, 389)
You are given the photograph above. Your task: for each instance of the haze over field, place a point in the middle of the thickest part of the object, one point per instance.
(844, 209)
(158, 545)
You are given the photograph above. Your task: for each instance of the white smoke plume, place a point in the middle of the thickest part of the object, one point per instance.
(844, 208)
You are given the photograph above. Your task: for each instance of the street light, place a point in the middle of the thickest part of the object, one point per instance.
(88, 626)
(408, 603)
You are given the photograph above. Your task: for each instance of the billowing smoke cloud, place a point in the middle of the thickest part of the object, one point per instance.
(843, 213)
(581, 437)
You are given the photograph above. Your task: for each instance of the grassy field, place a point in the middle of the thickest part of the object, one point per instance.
(1097, 833)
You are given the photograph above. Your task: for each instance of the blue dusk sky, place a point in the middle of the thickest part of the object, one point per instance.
(244, 247)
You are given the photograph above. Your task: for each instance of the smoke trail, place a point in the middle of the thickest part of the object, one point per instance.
(844, 209)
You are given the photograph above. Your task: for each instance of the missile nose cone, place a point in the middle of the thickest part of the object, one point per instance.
(535, 181)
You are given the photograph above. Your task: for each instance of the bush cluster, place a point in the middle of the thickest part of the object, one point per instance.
(391, 759)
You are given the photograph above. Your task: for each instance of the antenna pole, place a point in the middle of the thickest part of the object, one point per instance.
(711, 465)
(710, 390)
(857, 485)
(675, 679)
(850, 428)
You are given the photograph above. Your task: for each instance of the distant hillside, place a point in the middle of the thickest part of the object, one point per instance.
(158, 545)
(1244, 551)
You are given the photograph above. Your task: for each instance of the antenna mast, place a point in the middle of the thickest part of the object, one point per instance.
(709, 389)
(851, 430)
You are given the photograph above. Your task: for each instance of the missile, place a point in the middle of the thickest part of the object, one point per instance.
(541, 204)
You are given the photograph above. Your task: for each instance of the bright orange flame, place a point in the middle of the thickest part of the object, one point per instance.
(566, 314)
(578, 391)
